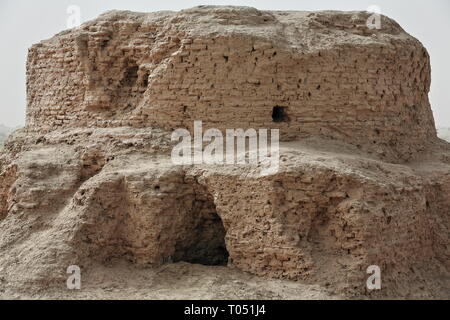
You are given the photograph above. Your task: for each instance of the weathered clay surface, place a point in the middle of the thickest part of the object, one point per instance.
(363, 178)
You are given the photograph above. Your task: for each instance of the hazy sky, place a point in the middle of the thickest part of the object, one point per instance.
(24, 22)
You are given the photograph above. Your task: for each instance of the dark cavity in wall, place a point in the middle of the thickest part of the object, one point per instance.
(203, 240)
(131, 75)
(279, 114)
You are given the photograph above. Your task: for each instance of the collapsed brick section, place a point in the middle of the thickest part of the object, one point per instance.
(331, 77)
(148, 220)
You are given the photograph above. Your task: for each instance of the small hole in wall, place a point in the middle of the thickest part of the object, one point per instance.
(279, 114)
(130, 76)
(104, 44)
(157, 187)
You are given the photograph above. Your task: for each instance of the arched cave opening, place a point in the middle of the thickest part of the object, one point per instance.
(203, 240)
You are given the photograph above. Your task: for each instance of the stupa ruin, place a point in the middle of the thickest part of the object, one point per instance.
(363, 179)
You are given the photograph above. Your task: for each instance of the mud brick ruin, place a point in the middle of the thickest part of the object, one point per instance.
(363, 178)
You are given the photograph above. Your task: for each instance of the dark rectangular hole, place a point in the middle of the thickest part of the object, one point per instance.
(279, 114)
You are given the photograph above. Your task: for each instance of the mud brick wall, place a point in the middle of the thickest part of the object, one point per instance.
(328, 76)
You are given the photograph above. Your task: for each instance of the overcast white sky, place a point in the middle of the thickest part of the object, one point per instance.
(24, 22)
